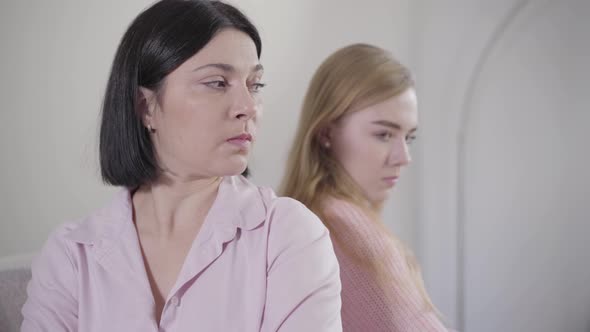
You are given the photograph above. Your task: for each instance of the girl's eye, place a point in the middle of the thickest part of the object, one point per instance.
(385, 136)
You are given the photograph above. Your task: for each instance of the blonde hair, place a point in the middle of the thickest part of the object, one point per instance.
(350, 79)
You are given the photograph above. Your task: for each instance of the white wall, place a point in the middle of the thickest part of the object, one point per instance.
(527, 191)
(54, 63)
(503, 181)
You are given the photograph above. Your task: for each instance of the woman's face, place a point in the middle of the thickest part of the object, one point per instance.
(372, 143)
(205, 115)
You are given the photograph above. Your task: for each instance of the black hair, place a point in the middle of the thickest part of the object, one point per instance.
(157, 42)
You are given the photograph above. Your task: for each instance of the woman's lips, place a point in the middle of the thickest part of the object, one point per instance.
(242, 141)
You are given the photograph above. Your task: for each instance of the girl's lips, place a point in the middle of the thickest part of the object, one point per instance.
(391, 181)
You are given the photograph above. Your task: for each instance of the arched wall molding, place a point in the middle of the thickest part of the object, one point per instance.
(519, 12)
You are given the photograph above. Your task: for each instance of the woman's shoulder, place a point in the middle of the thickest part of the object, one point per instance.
(285, 211)
(292, 216)
(91, 228)
(59, 237)
(282, 216)
(58, 256)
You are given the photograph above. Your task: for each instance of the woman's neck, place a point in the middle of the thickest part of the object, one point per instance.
(171, 205)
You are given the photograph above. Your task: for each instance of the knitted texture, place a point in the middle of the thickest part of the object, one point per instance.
(369, 303)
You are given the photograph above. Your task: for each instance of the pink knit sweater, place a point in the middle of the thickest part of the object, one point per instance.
(366, 306)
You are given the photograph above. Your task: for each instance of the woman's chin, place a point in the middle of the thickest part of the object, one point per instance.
(236, 166)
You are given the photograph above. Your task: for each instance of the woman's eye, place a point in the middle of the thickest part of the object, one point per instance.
(256, 87)
(216, 84)
(410, 139)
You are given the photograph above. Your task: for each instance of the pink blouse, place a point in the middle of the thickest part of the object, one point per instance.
(259, 263)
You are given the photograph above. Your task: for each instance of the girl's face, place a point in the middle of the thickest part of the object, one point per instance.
(372, 143)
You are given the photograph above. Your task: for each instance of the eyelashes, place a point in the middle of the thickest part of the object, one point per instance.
(217, 85)
(384, 136)
(387, 136)
(410, 139)
(223, 84)
(256, 87)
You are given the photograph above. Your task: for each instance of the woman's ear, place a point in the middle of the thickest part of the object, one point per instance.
(146, 107)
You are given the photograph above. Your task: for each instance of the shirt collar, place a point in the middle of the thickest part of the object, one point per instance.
(239, 204)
